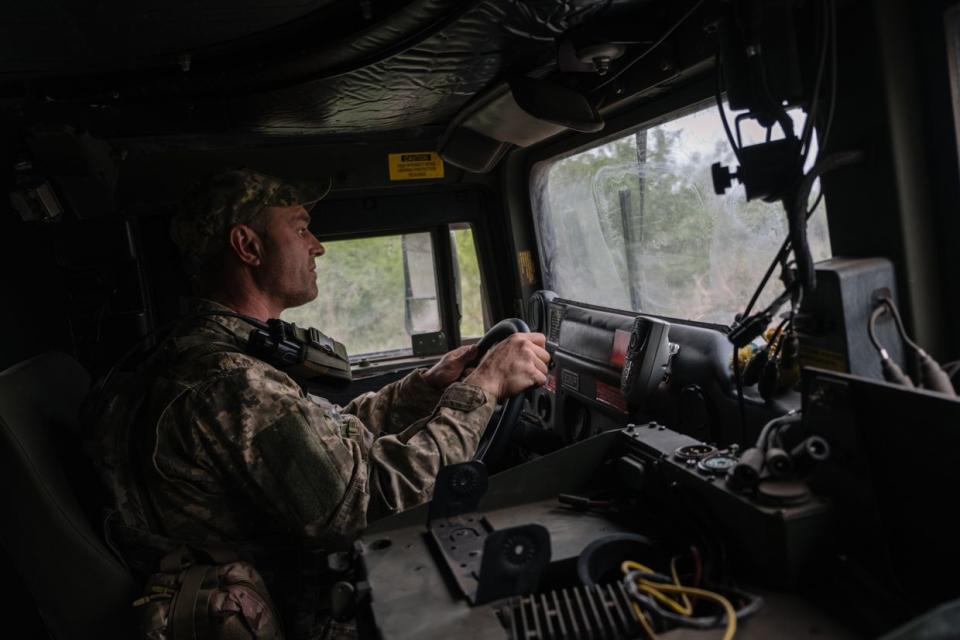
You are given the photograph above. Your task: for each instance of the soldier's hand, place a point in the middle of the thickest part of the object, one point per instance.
(513, 365)
(450, 367)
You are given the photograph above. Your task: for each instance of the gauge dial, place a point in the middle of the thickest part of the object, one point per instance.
(693, 452)
(718, 464)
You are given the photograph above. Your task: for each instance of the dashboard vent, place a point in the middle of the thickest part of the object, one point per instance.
(554, 320)
(597, 611)
(537, 309)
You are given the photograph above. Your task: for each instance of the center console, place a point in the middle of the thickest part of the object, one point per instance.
(536, 551)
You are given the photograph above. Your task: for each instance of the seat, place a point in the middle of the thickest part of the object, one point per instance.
(80, 588)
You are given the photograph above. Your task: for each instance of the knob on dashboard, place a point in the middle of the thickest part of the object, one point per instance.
(537, 309)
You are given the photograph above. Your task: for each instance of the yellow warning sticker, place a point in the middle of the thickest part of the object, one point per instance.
(525, 263)
(811, 356)
(417, 165)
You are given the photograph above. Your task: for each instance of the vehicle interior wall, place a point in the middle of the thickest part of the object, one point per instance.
(894, 102)
(937, 24)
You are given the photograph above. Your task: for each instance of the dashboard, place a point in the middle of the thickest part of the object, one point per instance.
(612, 367)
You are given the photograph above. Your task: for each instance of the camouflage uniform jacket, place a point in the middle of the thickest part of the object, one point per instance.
(232, 449)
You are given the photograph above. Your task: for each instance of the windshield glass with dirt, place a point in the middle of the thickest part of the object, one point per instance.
(635, 224)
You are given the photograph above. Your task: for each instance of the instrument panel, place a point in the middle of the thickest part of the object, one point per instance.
(606, 366)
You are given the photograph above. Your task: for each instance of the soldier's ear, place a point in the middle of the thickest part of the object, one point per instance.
(246, 244)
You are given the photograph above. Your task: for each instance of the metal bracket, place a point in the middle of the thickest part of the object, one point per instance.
(485, 564)
(512, 562)
(457, 490)
(428, 344)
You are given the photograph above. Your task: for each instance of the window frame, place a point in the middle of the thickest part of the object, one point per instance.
(347, 218)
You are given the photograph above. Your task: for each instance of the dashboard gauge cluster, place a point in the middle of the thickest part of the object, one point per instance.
(605, 365)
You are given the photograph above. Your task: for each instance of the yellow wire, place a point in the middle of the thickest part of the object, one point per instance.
(685, 609)
(670, 602)
(629, 565)
(709, 595)
(676, 581)
(651, 587)
(643, 621)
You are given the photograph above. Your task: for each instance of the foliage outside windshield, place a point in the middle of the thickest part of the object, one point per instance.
(635, 223)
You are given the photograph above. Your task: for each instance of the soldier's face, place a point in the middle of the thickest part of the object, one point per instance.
(288, 271)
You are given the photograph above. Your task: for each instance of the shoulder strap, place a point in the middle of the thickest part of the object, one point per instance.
(184, 607)
(199, 346)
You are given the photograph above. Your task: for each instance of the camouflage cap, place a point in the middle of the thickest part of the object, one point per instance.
(229, 198)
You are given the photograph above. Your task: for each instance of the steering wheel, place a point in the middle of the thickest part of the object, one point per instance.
(497, 435)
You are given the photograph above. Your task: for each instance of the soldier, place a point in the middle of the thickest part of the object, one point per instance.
(209, 444)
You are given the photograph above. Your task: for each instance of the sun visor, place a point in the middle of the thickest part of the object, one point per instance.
(519, 113)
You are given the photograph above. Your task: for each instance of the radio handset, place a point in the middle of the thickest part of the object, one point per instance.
(647, 359)
(306, 355)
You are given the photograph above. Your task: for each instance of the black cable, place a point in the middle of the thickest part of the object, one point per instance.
(736, 127)
(753, 602)
(763, 440)
(899, 321)
(798, 223)
(872, 329)
(807, 133)
(833, 75)
(891, 370)
(779, 336)
(785, 247)
(718, 95)
(777, 433)
(777, 259)
(931, 375)
(816, 203)
(649, 49)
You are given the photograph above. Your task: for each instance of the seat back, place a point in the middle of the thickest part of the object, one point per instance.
(80, 588)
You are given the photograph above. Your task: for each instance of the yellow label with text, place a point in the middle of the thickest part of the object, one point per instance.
(811, 356)
(415, 165)
(525, 263)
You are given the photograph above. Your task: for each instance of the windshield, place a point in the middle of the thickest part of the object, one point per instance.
(635, 224)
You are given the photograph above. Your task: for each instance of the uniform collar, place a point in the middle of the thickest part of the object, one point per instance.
(190, 308)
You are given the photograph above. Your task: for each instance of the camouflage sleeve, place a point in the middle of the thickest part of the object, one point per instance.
(323, 470)
(397, 405)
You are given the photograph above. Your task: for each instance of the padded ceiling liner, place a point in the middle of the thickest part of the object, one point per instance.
(429, 82)
(390, 78)
(425, 84)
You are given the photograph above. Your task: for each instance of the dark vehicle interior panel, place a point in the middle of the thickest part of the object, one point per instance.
(734, 223)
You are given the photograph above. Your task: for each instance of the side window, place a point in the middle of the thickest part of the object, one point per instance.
(634, 223)
(470, 293)
(375, 293)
